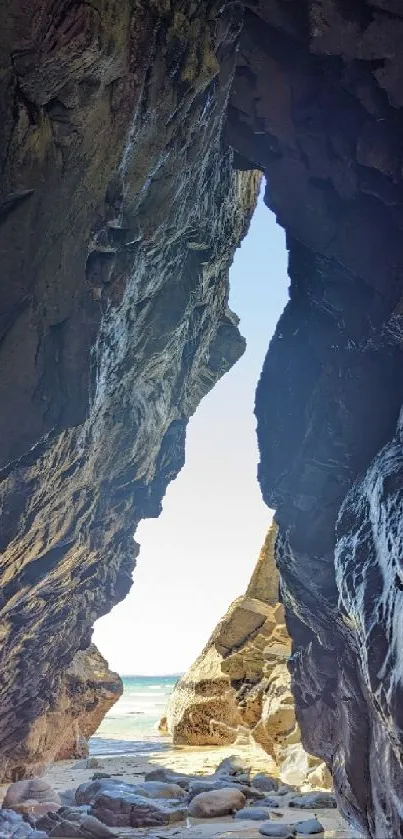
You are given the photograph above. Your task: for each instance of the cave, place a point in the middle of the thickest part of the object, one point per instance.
(134, 137)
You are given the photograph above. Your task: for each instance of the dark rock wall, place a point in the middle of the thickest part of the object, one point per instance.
(120, 211)
(120, 214)
(87, 690)
(316, 103)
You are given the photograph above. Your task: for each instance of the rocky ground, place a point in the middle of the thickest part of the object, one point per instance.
(192, 793)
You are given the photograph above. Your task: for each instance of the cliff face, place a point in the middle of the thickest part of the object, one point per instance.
(324, 80)
(119, 218)
(85, 692)
(239, 687)
(122, 123)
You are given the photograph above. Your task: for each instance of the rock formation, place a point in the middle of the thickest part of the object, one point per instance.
(130, 135)
(239, 687)
(114, 317)
(86, 691)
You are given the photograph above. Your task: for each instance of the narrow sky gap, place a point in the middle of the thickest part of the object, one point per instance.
(198, 556)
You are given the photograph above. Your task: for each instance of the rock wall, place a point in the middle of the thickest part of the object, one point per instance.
(239, 687)
(85, 692)
(317, 104)
(130, 132)
(119, 217)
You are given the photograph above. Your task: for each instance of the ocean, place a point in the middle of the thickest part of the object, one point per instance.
(132, 724)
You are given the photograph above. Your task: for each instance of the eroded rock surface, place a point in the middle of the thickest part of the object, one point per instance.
(240, 684)
(119, 214)
(88, 690)
(325, 83)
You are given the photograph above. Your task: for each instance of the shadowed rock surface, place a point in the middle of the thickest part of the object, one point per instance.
(120, 210)
(240, 687)
(89, 690)
(86, 691)
(114, 315)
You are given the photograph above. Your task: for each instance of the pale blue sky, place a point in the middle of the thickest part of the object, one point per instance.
(198, 556)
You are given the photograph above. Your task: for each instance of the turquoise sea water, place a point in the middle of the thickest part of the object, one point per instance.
(132, 724)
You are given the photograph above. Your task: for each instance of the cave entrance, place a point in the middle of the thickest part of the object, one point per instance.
(199, 554)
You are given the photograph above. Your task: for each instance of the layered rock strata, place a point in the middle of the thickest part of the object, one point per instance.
(86, 691)
(317, 104)
(119, 218)
(239, 686)
(119, 213)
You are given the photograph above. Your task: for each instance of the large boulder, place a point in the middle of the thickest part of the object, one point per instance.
(13, 826)
(118, 808)
(32, 797)
(241, 683)
(222, 802)
(86, 794)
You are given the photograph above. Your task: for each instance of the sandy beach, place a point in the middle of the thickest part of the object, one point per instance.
(68, 775)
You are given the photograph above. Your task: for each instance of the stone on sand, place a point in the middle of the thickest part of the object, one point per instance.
(34, 796)
(210, 784)
(220, 802)
(13, 825)
(159, 789)
(265, 782)
(87, 793)
(309, 827)
(168, 776)
(86, 827)
(257, 814)
(270, 801)
(118, 808)
(235, 767)
(319, 800)
(277, 831)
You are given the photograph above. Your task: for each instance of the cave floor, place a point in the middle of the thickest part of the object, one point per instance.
(132, 768)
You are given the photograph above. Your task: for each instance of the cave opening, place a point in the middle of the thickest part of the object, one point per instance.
(199, 554)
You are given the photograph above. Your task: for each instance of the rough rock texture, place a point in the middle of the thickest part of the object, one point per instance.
(12, 825)
(322, 81)
(88, 690)
(119, 214)
(240, 684)
(117, 810)
(218, 802)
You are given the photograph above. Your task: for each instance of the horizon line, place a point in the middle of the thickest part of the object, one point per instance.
(150, 675)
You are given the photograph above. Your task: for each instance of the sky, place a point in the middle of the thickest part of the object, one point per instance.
(199, 554)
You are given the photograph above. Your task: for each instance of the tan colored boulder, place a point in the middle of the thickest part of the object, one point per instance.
(36, 808)
(34, 788)
(240, 687)
(219, 802)
(34, 796)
